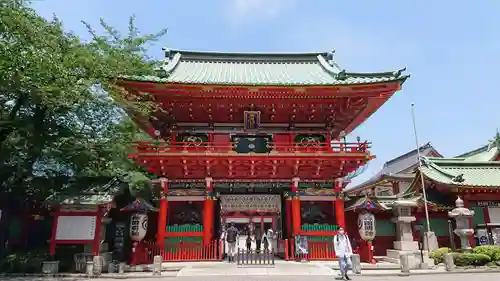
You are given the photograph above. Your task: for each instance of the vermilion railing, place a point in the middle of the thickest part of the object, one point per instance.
(184, 251)
(318, 250)
(213, 147)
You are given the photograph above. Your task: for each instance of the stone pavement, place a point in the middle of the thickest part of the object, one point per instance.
(280, 268)
(440, 277)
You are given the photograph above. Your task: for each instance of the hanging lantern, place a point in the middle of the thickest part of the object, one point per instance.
(138, 226)
(366, 226)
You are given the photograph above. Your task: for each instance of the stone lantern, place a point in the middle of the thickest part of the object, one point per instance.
(403, 219)
(462, 217)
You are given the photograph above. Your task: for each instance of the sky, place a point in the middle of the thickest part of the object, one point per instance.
(450, 48)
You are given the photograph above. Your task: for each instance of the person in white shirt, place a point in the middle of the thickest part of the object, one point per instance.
(343, 251)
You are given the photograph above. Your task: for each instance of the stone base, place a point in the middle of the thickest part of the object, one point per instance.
(406, 245)
(430, 241)
(414, 258)
(50, 267)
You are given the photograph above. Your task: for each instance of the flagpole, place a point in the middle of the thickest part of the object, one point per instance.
(424, 193)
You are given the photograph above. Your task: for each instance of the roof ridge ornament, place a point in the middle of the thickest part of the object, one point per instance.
(458, 178)
(342, 75)
(167, 52)
(399, 72)
(330, 57)
(495, 142)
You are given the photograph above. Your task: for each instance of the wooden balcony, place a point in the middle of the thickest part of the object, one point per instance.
(318, 161)
(273, 148)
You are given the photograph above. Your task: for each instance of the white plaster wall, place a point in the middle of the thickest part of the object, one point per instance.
(494, 213)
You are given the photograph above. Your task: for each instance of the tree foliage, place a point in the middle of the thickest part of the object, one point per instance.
(61, 113)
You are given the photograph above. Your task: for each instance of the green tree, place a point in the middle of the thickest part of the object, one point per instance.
(61, 112)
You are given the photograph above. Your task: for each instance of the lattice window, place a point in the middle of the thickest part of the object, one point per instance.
(245, 203)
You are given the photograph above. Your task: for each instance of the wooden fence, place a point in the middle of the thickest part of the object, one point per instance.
(184, 251)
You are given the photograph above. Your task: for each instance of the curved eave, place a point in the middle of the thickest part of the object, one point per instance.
(158, 80)
(380, 180)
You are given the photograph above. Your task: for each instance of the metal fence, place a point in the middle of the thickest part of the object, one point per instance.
(254, 258)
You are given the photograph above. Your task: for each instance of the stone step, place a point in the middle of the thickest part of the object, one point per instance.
(387, 260)
(377, 266)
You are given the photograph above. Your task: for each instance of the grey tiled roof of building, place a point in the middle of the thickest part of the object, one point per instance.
(397, 166)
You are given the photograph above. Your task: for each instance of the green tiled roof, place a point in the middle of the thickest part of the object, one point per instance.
(461, 172)
(254, 69)
(81, 199)
(94, 194)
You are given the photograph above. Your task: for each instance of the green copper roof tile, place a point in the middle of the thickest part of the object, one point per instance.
(301, 69)
(452, 171)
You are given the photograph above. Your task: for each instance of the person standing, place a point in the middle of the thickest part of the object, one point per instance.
(231, 238)
(258, 238)
(343, 251)
(249, 243)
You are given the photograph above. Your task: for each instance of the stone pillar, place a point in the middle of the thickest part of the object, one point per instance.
(448, 262)
(157, 260)
(462, 216)
(405, 264)
(97, 262)
(356, 264)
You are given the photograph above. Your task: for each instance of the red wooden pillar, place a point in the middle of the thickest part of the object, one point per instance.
(97, 235)
(339, 205)
(52, 244)
(162, 215)
(296, 218)
(208, 213)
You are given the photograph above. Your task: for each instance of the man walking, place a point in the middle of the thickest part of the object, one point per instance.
(343, 251)
(231, 238)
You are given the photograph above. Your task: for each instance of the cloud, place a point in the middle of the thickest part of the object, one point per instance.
(253, 10)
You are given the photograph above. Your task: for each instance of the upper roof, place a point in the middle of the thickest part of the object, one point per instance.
(261, 69)
(400, 167)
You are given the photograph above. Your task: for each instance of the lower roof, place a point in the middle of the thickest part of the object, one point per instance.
(457, 172)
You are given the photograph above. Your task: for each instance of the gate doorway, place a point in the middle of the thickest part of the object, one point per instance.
(257, 216)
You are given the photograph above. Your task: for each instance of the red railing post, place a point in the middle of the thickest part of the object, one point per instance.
(287, 257)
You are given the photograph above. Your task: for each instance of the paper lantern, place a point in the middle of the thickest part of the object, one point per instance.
(138, 226)
(366, 226)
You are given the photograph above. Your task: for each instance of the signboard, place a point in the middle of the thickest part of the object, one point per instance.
(301, 245)
(76, 228)
(488, 204)
(119, 240)
(482, 236)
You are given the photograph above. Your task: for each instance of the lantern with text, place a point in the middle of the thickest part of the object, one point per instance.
(139, 218)
(138, 226)
(366, 226)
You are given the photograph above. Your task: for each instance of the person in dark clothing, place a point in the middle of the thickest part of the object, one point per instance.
(249, 242)
(258, 238)
(231, 238)
(265, 243)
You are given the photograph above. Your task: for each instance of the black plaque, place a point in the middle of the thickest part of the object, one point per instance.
(119, 241)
